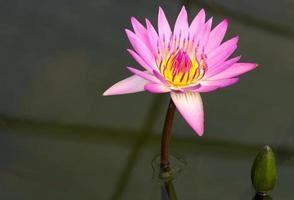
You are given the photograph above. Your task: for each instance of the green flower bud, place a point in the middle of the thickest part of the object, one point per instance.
(263, 172)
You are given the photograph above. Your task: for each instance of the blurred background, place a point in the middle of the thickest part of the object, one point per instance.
(60, 139)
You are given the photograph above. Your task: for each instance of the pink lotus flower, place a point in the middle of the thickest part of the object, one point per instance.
(184, 62)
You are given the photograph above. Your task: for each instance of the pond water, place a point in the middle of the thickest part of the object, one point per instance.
(60, 139)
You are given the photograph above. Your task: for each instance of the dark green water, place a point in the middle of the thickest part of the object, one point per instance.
(60, 139)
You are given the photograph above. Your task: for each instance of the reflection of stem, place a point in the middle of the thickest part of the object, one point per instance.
(168, 191)
(262, 197)
(166, 133)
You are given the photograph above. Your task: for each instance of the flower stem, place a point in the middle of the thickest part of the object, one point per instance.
(166, 133)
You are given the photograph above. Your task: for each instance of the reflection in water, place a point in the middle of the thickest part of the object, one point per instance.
(262, 197)
(177, 165)
(168, 191)
(166, 176)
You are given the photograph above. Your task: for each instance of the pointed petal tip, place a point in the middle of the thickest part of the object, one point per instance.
(198, 128)
(202, 11)
(234, 39)
(200, 132)
(183, 11)
(106, 93)
(253, 66)
(128, 31)
(238, 58)
(148, 23)
(160, 9)
(209, 22)
(183, 8)
(226, 21)
(237, 38)
(163, 25)
(134, 21)
(130, 69)
(132, 18)
(110, 91)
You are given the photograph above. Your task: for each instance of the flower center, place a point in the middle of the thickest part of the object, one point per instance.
(181, 69)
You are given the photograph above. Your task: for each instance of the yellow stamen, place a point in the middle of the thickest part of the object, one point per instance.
(182, 70)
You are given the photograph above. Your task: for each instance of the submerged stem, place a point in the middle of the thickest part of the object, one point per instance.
(166, 133)
(168, 191)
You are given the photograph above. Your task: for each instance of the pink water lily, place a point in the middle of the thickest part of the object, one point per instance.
(184, 62)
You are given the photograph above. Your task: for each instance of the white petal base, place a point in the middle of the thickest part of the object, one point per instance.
(190, 106)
